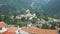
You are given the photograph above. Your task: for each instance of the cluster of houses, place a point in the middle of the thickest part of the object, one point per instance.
(28, 15)
(39, 22)
(11, 29)
(5, 29)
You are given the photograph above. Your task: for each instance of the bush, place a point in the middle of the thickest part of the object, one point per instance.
(52, 27)
(45, 26)
(53, 23)
(38, 26)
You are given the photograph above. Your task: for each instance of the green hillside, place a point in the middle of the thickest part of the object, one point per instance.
(15, 7)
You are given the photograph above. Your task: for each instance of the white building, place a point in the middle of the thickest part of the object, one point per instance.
(3, 27)
(29, 15)
(19, 16)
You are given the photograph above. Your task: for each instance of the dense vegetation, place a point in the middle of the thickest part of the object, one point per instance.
(50, 7)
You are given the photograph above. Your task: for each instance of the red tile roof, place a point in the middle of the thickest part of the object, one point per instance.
(8, 32)
(40, 31)
(2, 24)
(11, 30)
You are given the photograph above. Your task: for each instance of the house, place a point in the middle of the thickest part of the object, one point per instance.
(57, 20)
(34, 30)
(28, 15)
(24, 30)
(3, 26)
(29, 25)
(11, 30)
(19, 16)
(14, 30)
(29, 30)
(33, 16)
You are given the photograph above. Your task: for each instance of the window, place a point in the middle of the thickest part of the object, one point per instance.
(0, 28)
(18, 31)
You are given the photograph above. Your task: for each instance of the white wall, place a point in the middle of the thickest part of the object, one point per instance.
(3, 29)
(23, 32)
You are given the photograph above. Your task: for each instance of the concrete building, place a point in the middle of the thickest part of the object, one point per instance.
(19, 16)
(3, 26)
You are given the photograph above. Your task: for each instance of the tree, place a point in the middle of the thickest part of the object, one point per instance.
(42, 15)
(34, 20)
(0, 18)
(17, 22)
(38, 26)
(53, 25)
(23, 19)
(45, 26)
